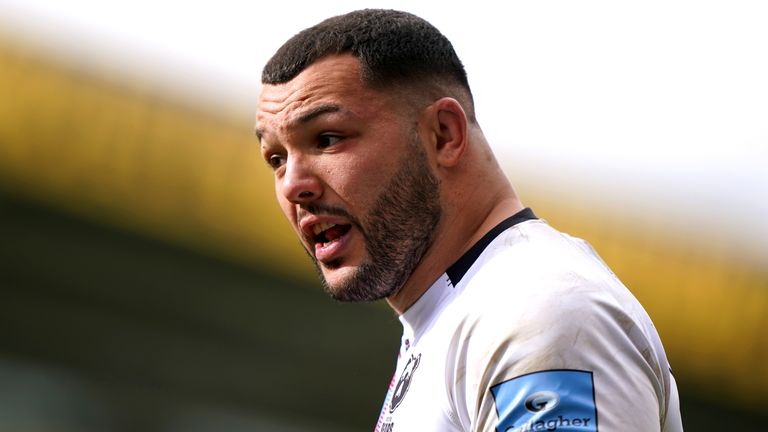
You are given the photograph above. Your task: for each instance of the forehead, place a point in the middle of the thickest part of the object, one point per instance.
(330, 84)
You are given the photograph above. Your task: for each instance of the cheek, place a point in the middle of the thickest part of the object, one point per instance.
(360, 181)
(286, 206)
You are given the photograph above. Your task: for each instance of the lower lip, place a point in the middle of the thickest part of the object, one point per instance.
(331, 251)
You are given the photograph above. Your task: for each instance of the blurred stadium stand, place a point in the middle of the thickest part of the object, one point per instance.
(148, 281)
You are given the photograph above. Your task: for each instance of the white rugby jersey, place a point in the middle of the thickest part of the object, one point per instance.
(529, 331)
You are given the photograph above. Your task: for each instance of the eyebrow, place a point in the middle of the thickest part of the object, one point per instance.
(308, 116)
(317, 112)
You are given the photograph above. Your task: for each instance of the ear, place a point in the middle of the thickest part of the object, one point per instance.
(450, 128)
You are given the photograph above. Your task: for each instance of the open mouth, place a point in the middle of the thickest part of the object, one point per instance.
(325, 234)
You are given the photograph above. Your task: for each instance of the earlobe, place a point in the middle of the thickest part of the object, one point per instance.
(451, 131)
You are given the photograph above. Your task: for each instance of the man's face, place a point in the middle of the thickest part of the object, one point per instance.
(352, 177)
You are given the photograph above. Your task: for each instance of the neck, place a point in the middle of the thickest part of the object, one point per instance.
(448, 247)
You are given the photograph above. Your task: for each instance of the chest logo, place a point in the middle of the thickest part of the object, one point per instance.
(404, 382)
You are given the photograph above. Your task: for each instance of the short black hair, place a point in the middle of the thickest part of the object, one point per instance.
(393, 48)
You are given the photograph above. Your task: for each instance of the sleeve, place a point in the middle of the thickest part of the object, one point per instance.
(577, 360)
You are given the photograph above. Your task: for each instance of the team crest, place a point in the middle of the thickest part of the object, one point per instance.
(404, 382)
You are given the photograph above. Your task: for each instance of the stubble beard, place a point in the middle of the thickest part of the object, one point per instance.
(398, 231)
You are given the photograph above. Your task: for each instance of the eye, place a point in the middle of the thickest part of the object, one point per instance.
(275, 161)
(327, 140)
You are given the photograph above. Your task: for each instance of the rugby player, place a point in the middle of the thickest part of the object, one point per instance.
(382, 169)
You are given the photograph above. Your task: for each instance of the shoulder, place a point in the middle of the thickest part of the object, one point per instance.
(543, 288)
(533, 273)
(542, 301)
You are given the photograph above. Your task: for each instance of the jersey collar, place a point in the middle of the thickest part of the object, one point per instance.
(457, 271)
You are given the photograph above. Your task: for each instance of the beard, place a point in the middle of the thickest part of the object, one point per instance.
(398, 231)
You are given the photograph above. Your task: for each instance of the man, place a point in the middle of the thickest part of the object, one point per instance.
(368, 122)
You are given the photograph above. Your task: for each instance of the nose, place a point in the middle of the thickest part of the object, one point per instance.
(299, 183)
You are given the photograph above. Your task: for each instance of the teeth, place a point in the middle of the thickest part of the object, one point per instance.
(318, 228)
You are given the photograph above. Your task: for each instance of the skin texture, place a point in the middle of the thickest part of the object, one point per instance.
(410, 201)
(413, 183)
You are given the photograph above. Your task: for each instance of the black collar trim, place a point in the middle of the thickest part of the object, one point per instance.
(460, 267)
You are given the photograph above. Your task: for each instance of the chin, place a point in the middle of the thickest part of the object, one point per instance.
(337, 278)
(357, 280)
(345, 285)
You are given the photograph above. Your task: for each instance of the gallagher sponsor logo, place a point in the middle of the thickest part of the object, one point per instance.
(541, 401)
(547, 401)
(553, 425)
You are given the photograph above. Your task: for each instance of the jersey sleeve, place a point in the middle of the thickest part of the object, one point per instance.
(570, 359)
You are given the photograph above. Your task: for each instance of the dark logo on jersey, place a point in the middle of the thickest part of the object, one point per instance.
(541, 401)
(404, 382)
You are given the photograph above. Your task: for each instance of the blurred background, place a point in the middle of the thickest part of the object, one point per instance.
(148, 281)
